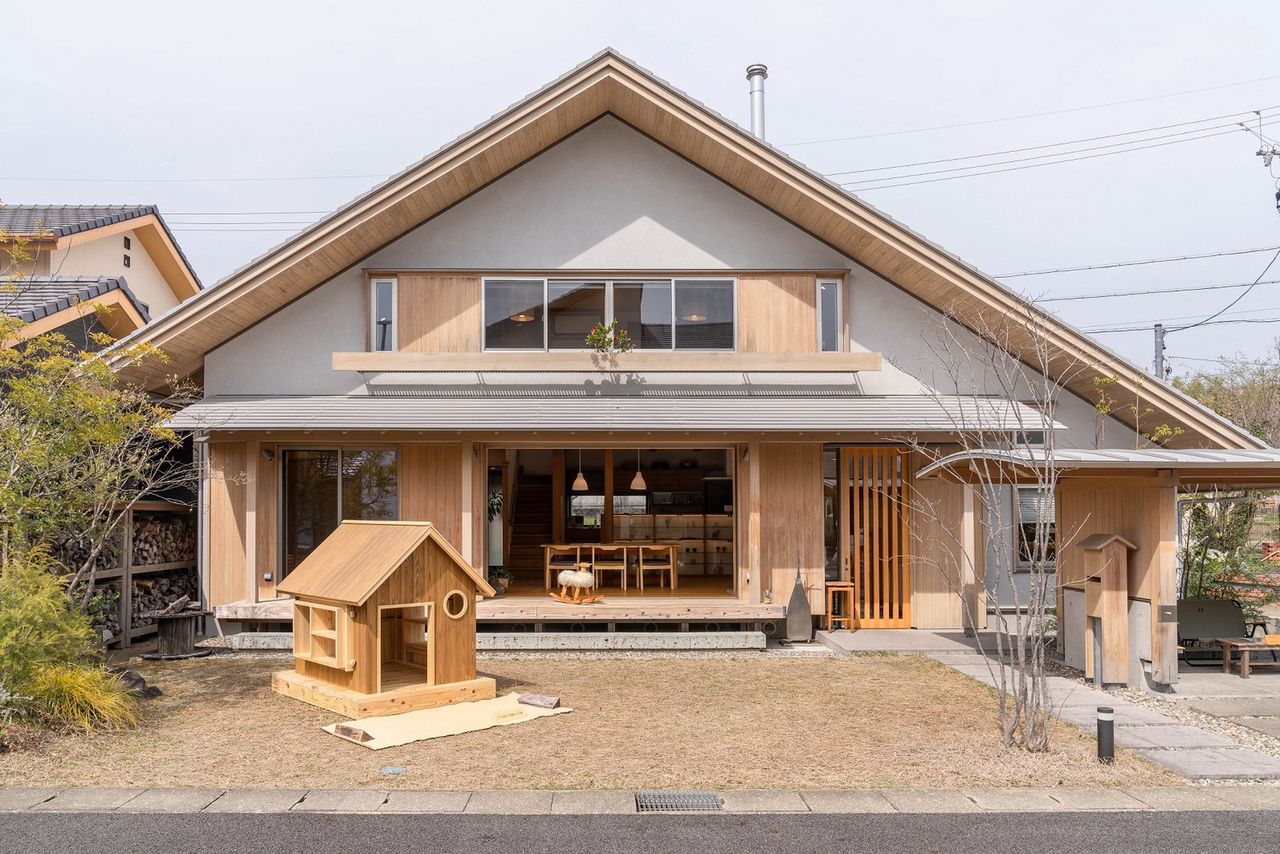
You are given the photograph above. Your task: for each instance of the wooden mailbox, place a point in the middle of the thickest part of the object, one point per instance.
(1106, 597)
(383, 622)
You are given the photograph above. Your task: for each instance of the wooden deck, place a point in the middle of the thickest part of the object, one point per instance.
(521, 609)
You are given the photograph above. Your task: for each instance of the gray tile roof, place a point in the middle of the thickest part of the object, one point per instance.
(64, 220)
(61, 220)
(40, 296)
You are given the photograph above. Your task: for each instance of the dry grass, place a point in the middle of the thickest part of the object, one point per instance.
(874, 721)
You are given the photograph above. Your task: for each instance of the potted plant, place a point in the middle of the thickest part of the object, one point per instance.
(609, 338)
(500, 578)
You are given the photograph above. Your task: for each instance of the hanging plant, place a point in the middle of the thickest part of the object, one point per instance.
(608, 338)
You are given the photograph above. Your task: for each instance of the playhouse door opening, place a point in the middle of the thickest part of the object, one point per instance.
(405, 642)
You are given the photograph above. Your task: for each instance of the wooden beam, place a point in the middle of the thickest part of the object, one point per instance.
(682, 362)
(251, 455)
(753, 521)
(606, 523)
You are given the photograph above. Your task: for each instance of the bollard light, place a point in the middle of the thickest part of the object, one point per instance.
(1106, 734)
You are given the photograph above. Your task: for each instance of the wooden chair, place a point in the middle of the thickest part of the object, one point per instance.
(659, 559)
(556, 558)
(609, 559)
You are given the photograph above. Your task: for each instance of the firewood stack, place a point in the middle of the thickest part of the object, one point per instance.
(107, 622)
(156, 592)
(72, 555)
(163, 538)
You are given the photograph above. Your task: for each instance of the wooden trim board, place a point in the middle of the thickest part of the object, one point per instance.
(353, 704)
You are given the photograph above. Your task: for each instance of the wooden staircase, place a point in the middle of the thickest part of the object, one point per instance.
(530, 526)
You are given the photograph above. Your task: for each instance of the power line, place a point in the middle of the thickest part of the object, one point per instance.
(1060, 144)
(1247, 290)
(1222, 254)
(1179, 290)
(1026, 165)
(1147, 327)
(1032, 115)
(214, 180)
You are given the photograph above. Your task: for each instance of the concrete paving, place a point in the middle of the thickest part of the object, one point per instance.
(89, 800)
(1237, 707)
(545, 803)
(257, 800)
(513, 802)
(1167, 736)
(340, 800)
(172, 800)
(1266, 726)
(1237, 763)
(425, 802)
(593, 803)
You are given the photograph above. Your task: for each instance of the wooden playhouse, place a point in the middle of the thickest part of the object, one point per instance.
(383, 622)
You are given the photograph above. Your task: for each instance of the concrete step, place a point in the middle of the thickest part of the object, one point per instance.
(589, 641)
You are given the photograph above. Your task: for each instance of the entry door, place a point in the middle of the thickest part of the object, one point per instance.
(875, 536)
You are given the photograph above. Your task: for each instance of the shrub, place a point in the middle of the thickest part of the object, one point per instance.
(84, 697)
(50, 662)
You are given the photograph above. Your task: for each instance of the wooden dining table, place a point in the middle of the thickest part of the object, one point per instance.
(584, 552)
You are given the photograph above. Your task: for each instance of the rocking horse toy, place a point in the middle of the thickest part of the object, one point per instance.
(575, 586)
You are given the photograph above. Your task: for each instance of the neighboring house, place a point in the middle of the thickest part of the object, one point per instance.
(93, 268)
(421, 352)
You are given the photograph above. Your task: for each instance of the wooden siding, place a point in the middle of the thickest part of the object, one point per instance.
(267, 520)
(431, 488)
(226, 570)
(879, 536)
(1143, 511)
(790, 478)
(948, 567)
(438, 314)
(777, 313)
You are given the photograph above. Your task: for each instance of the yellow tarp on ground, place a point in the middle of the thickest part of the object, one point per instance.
(395, 730)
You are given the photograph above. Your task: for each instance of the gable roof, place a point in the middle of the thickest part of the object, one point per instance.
(38, 297)
(358, 558)
(58, 223)
(610, 84)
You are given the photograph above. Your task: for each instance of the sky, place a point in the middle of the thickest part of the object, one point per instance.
(246, 121)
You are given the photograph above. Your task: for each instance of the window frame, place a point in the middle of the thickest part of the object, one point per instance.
(609, 313)
(394, 337)
(817, 305)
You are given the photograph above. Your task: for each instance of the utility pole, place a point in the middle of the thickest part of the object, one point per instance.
(1158, 365)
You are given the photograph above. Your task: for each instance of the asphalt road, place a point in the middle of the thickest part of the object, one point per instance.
(988, 833)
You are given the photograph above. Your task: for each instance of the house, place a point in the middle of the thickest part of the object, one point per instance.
(92, 269)
(420, 354)
(383, 622)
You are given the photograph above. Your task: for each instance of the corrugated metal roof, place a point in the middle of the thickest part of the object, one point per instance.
(35, 297)
(1117, 458)
(672, 411)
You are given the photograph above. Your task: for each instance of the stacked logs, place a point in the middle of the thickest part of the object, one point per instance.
(155, 593)
(163, 538)
(72, 555)
(106, 622)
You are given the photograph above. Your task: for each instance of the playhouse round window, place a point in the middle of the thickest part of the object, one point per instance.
(455, 604)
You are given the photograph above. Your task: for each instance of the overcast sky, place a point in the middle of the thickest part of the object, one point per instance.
(103, 95)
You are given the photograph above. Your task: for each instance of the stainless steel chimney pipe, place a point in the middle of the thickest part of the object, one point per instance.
(757, 74)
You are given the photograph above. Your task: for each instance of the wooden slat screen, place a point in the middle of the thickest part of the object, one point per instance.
(879, 537)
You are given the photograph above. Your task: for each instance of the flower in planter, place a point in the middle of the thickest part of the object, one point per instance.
(606, 338)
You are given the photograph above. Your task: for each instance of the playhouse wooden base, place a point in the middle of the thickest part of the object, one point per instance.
(356, 705)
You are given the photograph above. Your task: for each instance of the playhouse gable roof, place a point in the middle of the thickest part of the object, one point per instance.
(358, 558)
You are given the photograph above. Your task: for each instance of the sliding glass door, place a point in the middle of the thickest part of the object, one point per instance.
(323, 486)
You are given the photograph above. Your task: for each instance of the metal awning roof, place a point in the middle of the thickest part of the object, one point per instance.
(1191, 467)
(699, 411)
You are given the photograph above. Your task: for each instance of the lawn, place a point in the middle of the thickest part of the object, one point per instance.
(865, 722)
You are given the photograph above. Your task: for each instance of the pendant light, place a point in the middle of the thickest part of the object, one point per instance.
(579, 482)
(637, 482)
(522, 317)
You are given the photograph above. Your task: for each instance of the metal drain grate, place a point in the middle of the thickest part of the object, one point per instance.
(678, 802)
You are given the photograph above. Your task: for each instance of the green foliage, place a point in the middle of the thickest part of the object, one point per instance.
(37, 627)
(609, 338)
(1219, 560)
(86, 698)
(1245, 390)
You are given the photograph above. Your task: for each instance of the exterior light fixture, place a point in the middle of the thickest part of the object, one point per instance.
(580, 482)
(637, 482)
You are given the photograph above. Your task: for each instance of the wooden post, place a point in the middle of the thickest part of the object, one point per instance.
(842, 507)
(468, 483)
(1164, 633)
(972, 619)
(557, 496)
(252, 453)
(606, 522)
(753, 524)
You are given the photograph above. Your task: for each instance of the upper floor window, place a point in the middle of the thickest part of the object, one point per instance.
(830, 318)
(658, 314)
(382, 319)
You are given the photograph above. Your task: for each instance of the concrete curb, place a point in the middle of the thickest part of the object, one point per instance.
(544, 802)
